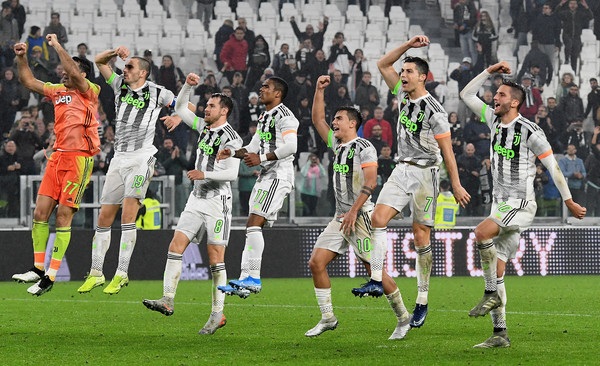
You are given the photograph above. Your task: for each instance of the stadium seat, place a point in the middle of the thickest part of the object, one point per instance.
(87, 7)
(66, 8)
(195, 29)
(127, 29)
(104, 28)
(288, 10)
(355, 16)
(172, 27)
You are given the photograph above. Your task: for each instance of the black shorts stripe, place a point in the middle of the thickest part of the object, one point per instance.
(512, 213)
(270, 196)
(226, 222)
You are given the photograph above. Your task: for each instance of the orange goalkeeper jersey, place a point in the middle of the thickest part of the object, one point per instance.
(75, 124)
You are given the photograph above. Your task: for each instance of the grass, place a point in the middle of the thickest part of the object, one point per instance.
(552, 321)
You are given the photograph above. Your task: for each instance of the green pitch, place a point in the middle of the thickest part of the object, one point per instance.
(552, 320)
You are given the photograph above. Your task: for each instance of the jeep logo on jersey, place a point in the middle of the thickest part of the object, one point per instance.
(265, 136)
(137, 103)
(208, 150)
(408, 124)
(507, 153)
(66, 99)
(341, 168)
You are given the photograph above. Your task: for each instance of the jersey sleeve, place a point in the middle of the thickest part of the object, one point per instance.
(115, 82)
(93, 92)
(368, 155)
(440, 125)
(288, 124)
(538, 143)
(233, 144)
(51, 89)
(166, 98)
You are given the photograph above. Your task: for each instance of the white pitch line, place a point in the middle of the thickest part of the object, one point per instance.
(289, 306)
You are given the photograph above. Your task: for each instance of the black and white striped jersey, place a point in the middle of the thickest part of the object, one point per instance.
(272, 126)
(348, 177)
(137, 113)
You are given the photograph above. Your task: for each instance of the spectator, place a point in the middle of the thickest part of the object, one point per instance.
(545, 122)
(9, 101)
(174, 162)
(465, 18)
(249, 113)
(367, 95)
(204, 12)
(55, 27)
(247, 177)
(35, 39)
(478, 134)
(239, 91)
(234, 117)
(313, 176)
(521, 13)
(10, 170)
(28, 142)
(320, 66)
(386, 127)
(533, 98)
(40, 68)
(222, 36)
(376, 140)
(82, 50)
(574, 17)
(496, 83)
(305, 55)
(153, 76)
(593, 101)
(572, 105)
(359, 66)
(485, 34)
(340, 56)
(486, 185)
(385, 166)
(234, 54)
(258, 60)
(305, 129)
(266, 74)
(342, 98)
(299, 88)
(149, 215)
(446, 208)
(249, 35)
(309, 33)
(577, 136)
(468, 170)
(546, 28)
(9, 35)
(551, 201)
(209, 86)
(463, 74)
(558, 121)
(20, 15)
(391, 114)
(41, 157)
(456, 133)
(566, 80)
(170, 76)
(281, 57)
(574, 170)
(535, 58)
(592, 167)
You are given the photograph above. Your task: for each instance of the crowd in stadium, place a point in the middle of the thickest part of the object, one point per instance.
(551, 29)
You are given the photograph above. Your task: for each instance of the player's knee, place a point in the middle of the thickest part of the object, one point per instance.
(378, 219)
(315, 265)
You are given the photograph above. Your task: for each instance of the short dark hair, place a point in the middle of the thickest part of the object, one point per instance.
(516, 91)
(144, 64)
(353, 114)
(82, 44)
(422, 65)
(84, 66)
(445, 184)
(224, 102)
(280, 85)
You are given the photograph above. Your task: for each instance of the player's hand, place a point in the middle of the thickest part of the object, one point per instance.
(502, 67)
(418, 41)
(52, 40)
(576, 209)
(20, 49)
(195, 175)
(461, 195)
(323, 82)
(251, 159)
(348, 222)
(224, 154)
(171, 122)
(122, 52)
(192, 79)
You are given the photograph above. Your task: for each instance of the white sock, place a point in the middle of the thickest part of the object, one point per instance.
(100, 245)
(255, 244)
(172, 274)
(128, 239)
(423, 268)
(324, 301)
(378, 253)
(219, 278)
(489, 263)
(397, 304)
(498, 315)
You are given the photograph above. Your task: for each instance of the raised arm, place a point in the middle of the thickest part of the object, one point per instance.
(70, 66)
(25, 75)
(469, 92)
(318, 108)
(182, 106)
(386, 63)
(103, 58)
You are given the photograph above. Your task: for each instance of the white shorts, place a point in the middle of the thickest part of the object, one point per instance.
(267, 198)
(127, 177)
(513, 216)
(210, 215)
(410, 183)
(333, 239)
